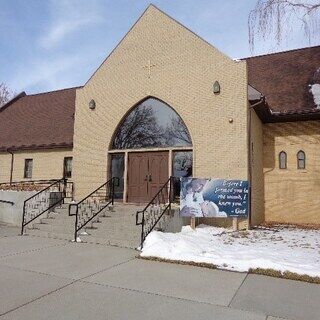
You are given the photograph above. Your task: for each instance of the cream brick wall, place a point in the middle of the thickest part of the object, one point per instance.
(185, 69)
(257, 188)
(5, 165)
(292, 195)
(47, 164)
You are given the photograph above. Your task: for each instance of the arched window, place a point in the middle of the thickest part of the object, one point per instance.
(151, 124)
(301, 160)
(282, 160)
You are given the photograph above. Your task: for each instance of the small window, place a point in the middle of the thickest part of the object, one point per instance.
(301, 160)
(28, 164)
(67, 167)
(282, 160)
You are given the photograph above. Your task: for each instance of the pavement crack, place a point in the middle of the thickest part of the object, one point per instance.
(32, 250)
(62, 287)
(38, 298)
(242, 282)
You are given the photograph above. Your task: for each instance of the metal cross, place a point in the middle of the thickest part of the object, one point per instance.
(149, 66)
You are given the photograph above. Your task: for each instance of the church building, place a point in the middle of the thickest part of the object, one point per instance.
(167, 103)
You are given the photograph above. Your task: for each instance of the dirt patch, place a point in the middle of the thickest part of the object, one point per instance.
(266, 272)
(188, 263)
(272, 224)
(285, 275)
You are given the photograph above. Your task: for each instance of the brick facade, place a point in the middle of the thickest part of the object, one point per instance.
(185, 69)
(47, 164)
(292, 195)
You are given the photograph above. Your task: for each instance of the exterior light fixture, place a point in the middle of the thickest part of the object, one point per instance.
(92, 104)
(216, 87)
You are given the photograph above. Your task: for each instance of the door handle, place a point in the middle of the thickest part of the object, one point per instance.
(149, 177)
(146, 178)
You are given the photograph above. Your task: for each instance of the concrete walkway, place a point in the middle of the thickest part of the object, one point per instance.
(54, 279)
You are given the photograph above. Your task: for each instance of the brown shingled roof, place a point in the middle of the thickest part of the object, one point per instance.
(284, 78)
(43, 120)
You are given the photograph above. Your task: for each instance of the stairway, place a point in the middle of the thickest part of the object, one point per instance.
(113, 227)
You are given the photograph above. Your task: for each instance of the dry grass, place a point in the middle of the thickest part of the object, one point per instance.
(267, 272)
(188, 263)
(285, 275)
(307, 226)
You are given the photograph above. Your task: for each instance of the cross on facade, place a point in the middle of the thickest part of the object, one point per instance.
(149, 66)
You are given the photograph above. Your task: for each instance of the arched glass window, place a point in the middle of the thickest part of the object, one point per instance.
(301, 160)
(282, 160)
(151, 124)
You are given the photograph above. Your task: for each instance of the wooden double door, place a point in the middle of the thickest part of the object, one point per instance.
(147, 173)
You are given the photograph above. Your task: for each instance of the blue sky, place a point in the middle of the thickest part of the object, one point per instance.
(52, 44)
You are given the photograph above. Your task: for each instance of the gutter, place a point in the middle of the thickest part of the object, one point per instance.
(11, 168)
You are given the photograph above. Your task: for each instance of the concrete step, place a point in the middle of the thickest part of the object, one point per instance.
(45, 234)
(67, 228)
(116, 228)
(121, 242)
(58, 222)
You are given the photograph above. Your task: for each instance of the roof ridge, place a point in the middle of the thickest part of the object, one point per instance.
(279, 52)
(45, 92)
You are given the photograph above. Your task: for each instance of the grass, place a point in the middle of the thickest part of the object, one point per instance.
(285, 275)
(266, 272)
(188, 263)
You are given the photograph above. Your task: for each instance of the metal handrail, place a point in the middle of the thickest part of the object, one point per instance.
(33, 197)
(6, 201)
(166, 186)
(77, 227)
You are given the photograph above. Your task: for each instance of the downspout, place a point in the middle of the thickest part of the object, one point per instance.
(12, 160)
(250, 155)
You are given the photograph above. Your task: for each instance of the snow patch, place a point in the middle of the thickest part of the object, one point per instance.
(78, 240)
(282, 249)
(315, 90)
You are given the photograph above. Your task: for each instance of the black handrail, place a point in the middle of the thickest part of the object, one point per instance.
(6, 201)
(39, 203)
(163, 196)
(92, 203)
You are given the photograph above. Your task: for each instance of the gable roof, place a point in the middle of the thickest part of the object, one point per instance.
(285, 79)
(43, 120)
(154, 10)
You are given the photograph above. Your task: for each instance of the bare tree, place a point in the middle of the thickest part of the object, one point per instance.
(139, 130)
(277, 17)
(177, 133)
(5, 94)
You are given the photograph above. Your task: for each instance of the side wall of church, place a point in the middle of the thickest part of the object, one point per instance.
(292, 194)
(185, 68)
(47, 164)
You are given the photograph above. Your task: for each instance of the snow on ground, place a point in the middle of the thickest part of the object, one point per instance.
(279, 248)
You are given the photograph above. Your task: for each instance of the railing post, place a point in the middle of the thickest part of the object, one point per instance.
(72, 191)
(64, 187)
(142, 230)
(23, 215)
(76, 225)
(112, 192)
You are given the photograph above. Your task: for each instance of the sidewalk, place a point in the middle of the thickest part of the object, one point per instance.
(55, 279)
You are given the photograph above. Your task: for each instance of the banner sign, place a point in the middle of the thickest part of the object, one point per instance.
(213, 198)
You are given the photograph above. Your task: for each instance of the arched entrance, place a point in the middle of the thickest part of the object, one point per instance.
(150, 144)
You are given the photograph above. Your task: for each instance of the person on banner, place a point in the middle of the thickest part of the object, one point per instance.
(193, 203)
(190, 207)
